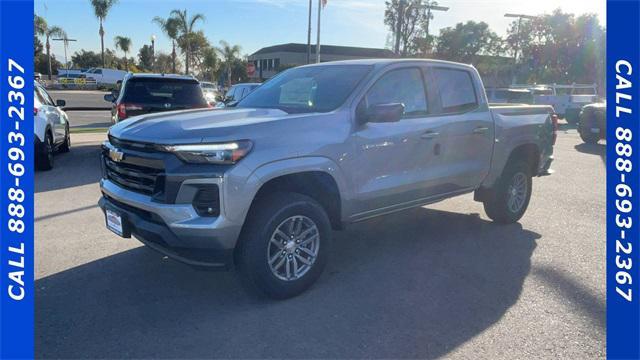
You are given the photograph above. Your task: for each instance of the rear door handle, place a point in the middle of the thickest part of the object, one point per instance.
(480, 130)
(429, 135)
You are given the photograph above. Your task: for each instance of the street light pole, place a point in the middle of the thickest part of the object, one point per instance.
(517, 45)
(309, 34)
(153, 51)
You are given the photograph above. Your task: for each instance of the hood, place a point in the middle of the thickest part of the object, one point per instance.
(194, 126)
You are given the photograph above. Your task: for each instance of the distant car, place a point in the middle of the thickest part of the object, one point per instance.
(210, 91)
(104, 76)
(238, 92)
(592, 123)
(509, 96)
(51, 127)
(150, 93)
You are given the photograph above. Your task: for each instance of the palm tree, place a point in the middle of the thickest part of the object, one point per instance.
(185, 28)
(101, 10)
(210, 63)
(123, 43)
(229, 55)
(169, 26)
(40, 28)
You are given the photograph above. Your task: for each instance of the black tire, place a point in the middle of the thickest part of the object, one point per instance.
(45, 155)
(588, 137)
(66, 145)
(253, 252)
(498, 207)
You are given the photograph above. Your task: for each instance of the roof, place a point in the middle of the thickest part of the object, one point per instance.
(167, 76)
(328, 50)
(385, 62)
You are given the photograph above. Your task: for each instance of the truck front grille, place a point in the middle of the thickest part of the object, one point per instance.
(133, 177)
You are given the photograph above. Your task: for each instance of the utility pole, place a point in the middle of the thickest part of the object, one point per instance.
(309, 34)
(430, 7)
(65, 42)
(518, 38)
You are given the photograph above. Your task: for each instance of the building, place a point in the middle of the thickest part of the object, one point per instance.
(270, 60)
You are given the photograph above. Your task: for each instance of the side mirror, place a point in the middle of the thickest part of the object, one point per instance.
(384, 113)
(109, 97)
(60, 103)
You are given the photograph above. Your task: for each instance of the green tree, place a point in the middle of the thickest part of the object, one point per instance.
(210, 64)
(164, 63)
(559, 48)
(229, 53)
(50, 32)
(123, 43)
(86, 59)
(145, 58)
(169, 26)
(465, 41)
(101, 10)
(405, 20)
(186, 25)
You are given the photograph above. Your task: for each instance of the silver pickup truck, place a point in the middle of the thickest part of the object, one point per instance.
(261, 186)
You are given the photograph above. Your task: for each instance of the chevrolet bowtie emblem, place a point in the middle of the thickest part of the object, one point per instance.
(116, 155)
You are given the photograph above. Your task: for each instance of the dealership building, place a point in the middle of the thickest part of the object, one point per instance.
(270, 60)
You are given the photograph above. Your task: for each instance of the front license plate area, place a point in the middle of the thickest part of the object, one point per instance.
(115, 222)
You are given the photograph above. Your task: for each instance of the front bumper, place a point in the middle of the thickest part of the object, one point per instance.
(175, 230)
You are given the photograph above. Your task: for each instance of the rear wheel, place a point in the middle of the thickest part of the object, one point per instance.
(511, 194)
(284, 244)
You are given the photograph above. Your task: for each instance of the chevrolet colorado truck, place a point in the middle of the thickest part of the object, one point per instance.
(262, 185)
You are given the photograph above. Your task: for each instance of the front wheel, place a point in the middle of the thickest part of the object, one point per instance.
(66, 145)
(44, 158)
(511, 195)
(588, 137)
(284, 244)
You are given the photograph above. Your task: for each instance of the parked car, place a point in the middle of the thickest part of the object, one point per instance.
(210, 91)
(238, 92)
(51, 127)
(152, 93)
(509, 96)
(567, 100)
(262, 185)
(104, 76)
(592, 124)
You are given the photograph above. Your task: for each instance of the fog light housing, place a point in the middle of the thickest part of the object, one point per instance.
(207, 201)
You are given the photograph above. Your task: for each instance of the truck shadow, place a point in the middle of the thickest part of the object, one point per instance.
(599, 149)
(79, 167)
(414, 284)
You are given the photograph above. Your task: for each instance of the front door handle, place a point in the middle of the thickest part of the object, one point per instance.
(429, 135)
(480, 130)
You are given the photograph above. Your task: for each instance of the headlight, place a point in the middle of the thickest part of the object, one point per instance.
(221, 153)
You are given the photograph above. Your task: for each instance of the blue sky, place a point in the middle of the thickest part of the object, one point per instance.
(253, 24)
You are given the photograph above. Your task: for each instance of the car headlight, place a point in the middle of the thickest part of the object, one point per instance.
(220, 153)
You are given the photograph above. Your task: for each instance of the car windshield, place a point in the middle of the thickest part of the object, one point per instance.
(307, 89)
(164, 91)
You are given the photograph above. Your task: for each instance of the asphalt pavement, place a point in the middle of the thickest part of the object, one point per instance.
(83, 119)
(437, 281)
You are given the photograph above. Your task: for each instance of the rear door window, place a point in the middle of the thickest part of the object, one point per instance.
(163, 91)
(456, 90)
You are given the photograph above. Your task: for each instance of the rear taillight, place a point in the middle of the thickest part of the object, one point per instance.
(554, 122)
(124, 107)
(35, 111)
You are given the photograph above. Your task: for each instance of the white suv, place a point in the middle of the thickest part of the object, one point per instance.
(51, 127)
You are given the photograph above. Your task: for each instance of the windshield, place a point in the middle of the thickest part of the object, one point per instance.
(307, 89)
